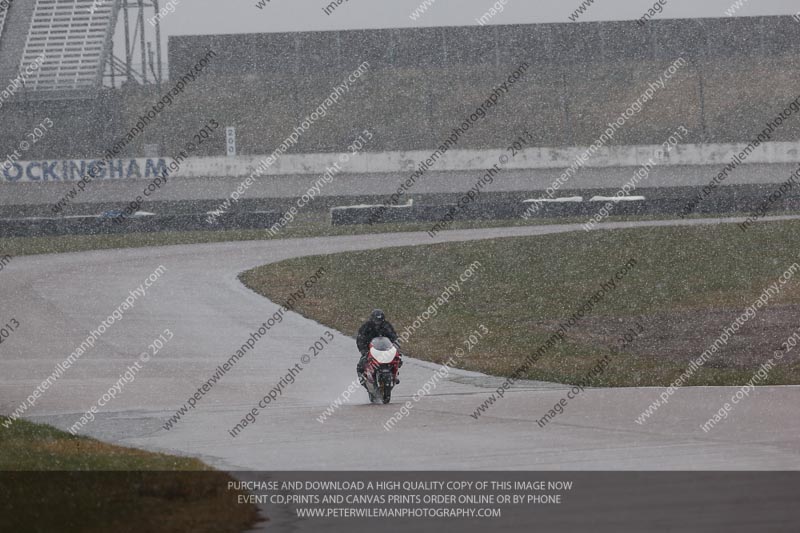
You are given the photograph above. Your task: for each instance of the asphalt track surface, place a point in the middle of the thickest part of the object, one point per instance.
(58, 299)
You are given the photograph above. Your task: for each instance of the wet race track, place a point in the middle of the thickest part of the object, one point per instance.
(200, 314)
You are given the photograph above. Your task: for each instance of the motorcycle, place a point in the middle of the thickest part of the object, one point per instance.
(380, 372)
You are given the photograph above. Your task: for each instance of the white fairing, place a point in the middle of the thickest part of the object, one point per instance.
(384, 356)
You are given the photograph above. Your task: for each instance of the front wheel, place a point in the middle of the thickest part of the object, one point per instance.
(387, 394)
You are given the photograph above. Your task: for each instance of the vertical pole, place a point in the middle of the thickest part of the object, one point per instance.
(128, 54)
(158, 46)
(141, 41)
(565, 107)
(701, 85)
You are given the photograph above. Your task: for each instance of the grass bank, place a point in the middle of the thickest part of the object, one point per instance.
(53, 481)
(688, 283)
(312, 224)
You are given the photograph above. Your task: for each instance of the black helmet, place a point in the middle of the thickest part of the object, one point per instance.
(377, 316)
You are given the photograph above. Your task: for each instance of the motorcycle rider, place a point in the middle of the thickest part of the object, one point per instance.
(375, 326)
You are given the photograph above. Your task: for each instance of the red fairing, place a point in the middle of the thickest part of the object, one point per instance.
(373, 364)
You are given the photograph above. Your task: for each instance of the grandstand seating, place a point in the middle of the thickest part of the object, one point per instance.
(2, 20)
(74, 36)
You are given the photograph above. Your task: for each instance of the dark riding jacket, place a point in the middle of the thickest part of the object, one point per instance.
(369, 330)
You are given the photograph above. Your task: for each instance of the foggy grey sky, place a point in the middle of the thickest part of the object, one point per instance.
(241, 16)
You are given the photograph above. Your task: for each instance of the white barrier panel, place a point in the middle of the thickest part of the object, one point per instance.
(383, 162)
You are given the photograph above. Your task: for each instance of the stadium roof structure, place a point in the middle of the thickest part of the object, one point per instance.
(70, 38)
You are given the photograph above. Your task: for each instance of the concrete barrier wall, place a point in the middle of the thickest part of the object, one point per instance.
(394, 162)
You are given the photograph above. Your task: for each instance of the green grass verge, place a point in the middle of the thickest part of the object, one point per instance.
(53, 481)
(309, 224)
(526, 285)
